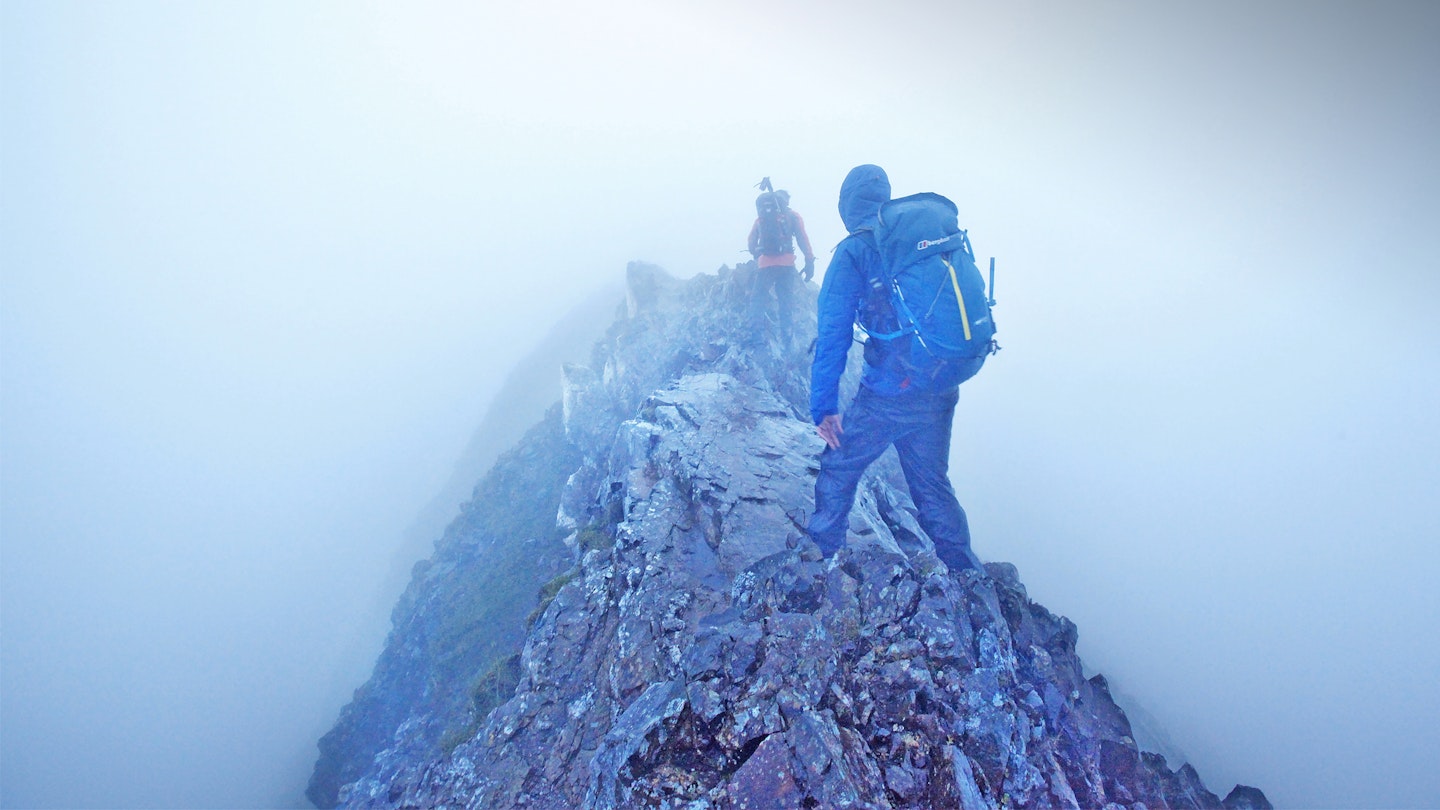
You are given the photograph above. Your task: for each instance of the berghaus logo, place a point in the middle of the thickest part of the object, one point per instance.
(924, 243)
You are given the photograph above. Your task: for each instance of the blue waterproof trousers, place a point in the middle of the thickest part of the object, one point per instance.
(918, 424)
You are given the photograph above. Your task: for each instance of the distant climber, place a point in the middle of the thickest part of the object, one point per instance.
(772, 242)
(907, 396)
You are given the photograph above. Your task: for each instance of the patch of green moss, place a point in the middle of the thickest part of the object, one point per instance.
(452, 739)
(489, 690)
(593, 537)
(548, 592)
(495, 686)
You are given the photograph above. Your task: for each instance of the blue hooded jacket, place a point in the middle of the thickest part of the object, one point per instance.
(846, 285)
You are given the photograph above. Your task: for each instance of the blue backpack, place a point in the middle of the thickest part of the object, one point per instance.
(940, 324)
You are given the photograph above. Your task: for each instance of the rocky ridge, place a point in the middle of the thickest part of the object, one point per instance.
(688, 649)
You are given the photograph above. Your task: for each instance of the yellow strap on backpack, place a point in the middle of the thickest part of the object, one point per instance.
(964, 316)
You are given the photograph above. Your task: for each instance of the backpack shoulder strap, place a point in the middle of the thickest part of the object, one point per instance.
(865, 235)
(878, 293)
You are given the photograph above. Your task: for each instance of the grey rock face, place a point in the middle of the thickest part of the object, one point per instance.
(700, 655)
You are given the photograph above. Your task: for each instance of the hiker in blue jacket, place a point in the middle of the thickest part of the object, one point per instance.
(890, 407)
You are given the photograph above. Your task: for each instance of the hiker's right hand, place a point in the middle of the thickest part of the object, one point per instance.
(830, 430)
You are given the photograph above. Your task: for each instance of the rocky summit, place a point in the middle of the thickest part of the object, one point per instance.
(627, 614)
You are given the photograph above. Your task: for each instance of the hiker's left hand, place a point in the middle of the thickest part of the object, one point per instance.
(809, 270)
(830, 430)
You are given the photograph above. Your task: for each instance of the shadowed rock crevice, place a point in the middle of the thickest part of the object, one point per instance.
(692, 651)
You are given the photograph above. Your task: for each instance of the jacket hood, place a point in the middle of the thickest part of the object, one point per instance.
(864, 189)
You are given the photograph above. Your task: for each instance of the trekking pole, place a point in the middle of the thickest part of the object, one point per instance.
(991, 302)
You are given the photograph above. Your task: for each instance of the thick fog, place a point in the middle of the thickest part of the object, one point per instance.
(266, 266)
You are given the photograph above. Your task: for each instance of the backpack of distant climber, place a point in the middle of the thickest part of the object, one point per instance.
(938, 323)
(777, 235)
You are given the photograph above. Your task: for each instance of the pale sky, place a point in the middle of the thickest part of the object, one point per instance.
(264, 266)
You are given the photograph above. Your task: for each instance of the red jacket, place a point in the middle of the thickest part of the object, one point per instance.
(786, 259)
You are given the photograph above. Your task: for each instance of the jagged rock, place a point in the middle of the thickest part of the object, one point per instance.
(1244, 797)
(698, 654)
